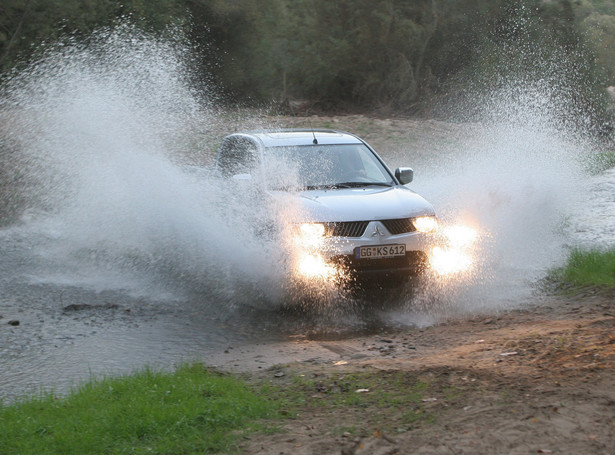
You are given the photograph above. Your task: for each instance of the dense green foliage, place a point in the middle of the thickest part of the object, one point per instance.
(190, 411)
(391, 55)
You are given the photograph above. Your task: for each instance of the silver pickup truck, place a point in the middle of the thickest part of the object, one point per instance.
(358, 217)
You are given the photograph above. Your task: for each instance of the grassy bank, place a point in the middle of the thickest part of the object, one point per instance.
(192, 410)
(587, 268)
(196, 410)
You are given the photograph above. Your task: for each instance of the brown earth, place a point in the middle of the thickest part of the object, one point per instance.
(536, 380)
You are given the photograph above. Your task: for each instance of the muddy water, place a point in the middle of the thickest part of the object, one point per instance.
(61, 324)
(594, 222)
(66, 333)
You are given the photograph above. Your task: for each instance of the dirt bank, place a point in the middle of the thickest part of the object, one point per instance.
(536, 380)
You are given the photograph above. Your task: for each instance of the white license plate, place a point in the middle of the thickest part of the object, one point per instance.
(379, 251)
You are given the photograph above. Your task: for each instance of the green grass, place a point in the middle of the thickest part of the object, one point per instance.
(393, 397)
(588, 268)
(192, 410)
(195, 410)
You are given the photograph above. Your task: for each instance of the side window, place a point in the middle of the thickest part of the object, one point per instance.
(236, 156)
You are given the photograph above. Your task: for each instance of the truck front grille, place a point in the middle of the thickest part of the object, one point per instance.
(357, 228)
(400, 226)
(346, 228)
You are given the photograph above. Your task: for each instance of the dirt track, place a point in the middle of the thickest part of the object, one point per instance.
(537, 380)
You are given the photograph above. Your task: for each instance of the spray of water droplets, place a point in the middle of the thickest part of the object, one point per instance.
(102, 128)
(515, 174)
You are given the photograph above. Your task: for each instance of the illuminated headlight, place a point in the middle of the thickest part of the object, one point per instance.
(427, 224)
(311, 234)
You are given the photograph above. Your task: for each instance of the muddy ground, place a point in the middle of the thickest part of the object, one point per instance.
(533, 380)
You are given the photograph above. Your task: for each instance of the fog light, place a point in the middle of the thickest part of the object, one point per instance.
(314, 266)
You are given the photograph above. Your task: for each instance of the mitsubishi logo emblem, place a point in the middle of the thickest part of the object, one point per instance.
(378, 232)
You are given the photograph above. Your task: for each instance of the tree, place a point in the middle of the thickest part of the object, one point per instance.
(27, 24)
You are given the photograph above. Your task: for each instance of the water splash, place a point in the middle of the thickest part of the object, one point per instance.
(102, 129)
(516, 177)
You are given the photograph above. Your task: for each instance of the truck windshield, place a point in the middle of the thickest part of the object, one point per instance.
(324, 166)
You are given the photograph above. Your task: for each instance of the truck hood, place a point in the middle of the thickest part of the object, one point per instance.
(363, 204)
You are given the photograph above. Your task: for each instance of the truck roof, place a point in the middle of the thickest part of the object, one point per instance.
(287, 137)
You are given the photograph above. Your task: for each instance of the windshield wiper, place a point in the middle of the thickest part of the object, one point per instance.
(327, 186)
(333, 186)
(359, 184)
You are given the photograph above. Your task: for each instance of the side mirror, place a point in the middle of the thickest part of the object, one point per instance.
(404, 174)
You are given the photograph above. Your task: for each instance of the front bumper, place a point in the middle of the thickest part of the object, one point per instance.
(412, 264)
(337, 253)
